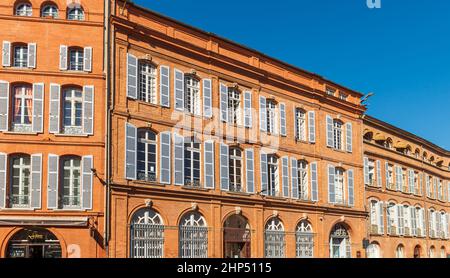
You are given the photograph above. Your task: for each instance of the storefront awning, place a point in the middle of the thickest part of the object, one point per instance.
(6, 220)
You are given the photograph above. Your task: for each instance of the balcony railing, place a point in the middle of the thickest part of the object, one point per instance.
(71, 201)
(146, 177)
(192, 183)
(236, 187)
(393, 231)
(407, 231)
(374, 229)
(20, 201)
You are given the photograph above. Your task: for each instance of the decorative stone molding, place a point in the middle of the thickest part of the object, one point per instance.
(238, 210)
(194, 206)
(148, 203)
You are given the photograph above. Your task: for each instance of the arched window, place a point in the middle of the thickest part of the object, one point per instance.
(274, 243)
(20, 58)
(273, 174)
(147, 234)
(75, 13)
(192, 95)
(300, 124)
(73, 111)
(388, 143)
(234, 106)
(400, 251)
(340, 242)
(304, 239)
(339, 186)
(432, 252)
(417, 252)
(147, 82)
(24, 9)
(76, 59)
(193, 236)
(22, 108)
(338, 134)
(373, 251)
(443, 253)
(272, 119)
(417, 153)
(146, 155)
(376, 217)
(191, 162)
(71, 182)
(368, 136)
(235, 170)
(20, 181)
(50, 10)
(302, 168)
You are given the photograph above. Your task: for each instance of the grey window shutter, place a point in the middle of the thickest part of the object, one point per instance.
(223, 103)
(38, 107)
(366, 170)
(250, 170)
(314, 182)
(248, 121)
(87, 163)
(380, 218)
(379, 181)
(264, 174)
(209, 164)
(178, 150)
(386, 165)
(331, 195)
(351, 188)
(130, 151)
(132, 76)
(54, 117)
(398, 186)
(411, 181)
(296, 131)
(262, 114)
(31, 58)
(52, 181)
(224, 175)
(88, 110)
(349, 139)
(36, 180)
(421, 184)
(6, 57)
(4, 105)
(330, 137)
(179, 90)
(312, 126)
(285, 175)
(282, 119)
(427, 183)
(207, 98)
(448, 189)
(165, 158)
(87, 59)
(3, 161)
(294, 178)
(63, 57)
(164, 81)
(434, 187)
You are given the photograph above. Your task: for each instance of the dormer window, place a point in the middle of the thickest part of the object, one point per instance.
(330, 91)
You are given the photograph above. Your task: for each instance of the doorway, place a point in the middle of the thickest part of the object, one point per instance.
(34, 243)
(237, 237)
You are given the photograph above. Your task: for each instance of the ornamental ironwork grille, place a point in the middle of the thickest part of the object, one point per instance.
(304, 239)
(147, 235)
(274, 239)
(193, 236)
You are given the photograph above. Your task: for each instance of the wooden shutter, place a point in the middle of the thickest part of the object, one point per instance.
(264, 174)
(6, 57)
(130, 151)
(351, 187)
(262, 114)
(4, 105)
(282, 119)
(223, 103)
(88, 110)
(87, 59)
(52, 181)
(314, 182)
(248, 121)
(294, 178)
(331, 189)
(366, 170)
(224, 174)
(38, 107)
(179, 89)
(165, 158)
(164, 87)
(250, 170)
(63, 62)
(379, 179)
(3, 167)
(329, 132)
(285, 176)
(207, 98)
(209, 164)
(132, 76)
(31, 58)
(312, 126)
(349, 141)
(55, 110)
(178, 152)
(380, 218)
(386, 165)
(36, 180)
(87, 182)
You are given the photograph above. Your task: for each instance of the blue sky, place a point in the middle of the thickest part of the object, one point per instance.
(400, 52)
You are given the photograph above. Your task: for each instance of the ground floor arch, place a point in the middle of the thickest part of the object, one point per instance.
(236, 237)
(33, 243)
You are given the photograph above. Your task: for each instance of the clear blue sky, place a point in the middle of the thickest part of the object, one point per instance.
(401, 51)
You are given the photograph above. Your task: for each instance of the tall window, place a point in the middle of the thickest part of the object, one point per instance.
(400, 252)
(390, 173)
(300, 121)
(404, 180)
(146, 155)
(192, 95)
(304, 239)
(71, 191)
(234, 105)
(22, 107)
(193, 236)
(338, 134)
(20, 181)
(432, 252)
(192, 163)
(302, 168)
(274, 243)
(272, 124)
(75, 13)
(443, 253)
(392, 218)
(20, 56)
(76, 60)
(235, 170)
(24, 10)
(373, 251)
(147, 234)
(340, 242)
(147, 82)
(371, 172)
(73, 111)
(50, 11)
(432, 223)
(272, 164)
(339, 185)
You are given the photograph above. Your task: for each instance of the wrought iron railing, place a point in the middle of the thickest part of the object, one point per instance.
(147, 241)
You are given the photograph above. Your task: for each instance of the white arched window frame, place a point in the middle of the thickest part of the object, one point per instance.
(50, 11)
(146, 234)
(75, 13)
(400, 252)
(193, 236)
(274, 239)
(304, 238)
(340, 246)
(373, 251)
(24, 9)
